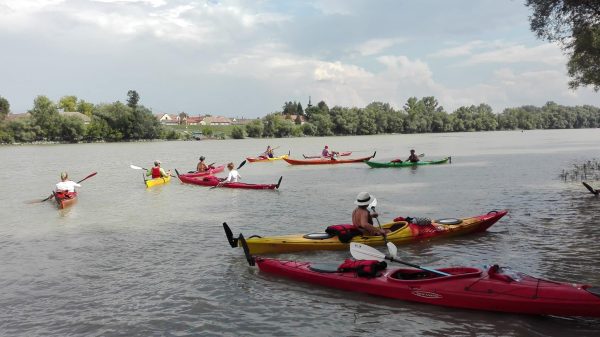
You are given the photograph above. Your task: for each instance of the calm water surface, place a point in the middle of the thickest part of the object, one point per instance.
(127, 261)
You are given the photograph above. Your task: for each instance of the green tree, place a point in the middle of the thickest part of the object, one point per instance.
(71, 129)
(255, 128)
(85, 108)
(207, 131)
(68, 103)
(45, 116)
(132, 99)
(237, 132)
(4, 108)
(576, 26)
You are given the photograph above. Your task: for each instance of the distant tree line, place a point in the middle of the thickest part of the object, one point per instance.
(131, 121)
(108, 122)
(417, 116)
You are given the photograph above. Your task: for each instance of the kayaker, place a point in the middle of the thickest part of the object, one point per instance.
(202, 167)
(325, 153)
(157, 171)
(65, 185)
(269, 152)
(233, 176)
(413, 158)
(362, 219)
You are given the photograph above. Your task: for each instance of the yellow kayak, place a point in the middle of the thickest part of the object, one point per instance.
(261, 159)
(156, 181)
(401, 232)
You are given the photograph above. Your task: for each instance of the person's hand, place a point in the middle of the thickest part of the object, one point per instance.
(374, 215)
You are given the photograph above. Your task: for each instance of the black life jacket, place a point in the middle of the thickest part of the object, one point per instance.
(363, 268)
(345, 233)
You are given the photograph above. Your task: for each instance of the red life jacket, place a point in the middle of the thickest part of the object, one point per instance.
(364, 268)
(345, 233)
(156, 172)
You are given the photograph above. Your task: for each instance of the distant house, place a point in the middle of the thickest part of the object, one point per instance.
(294, 117)
(84, 118)
(12, 116)
(241, 121)
(217, 120)
(195, 121)
(165, 118)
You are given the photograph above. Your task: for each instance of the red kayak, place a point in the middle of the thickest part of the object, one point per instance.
(213, 181)
(325, 161)
(494, 289)
(212, 171)
(342, 154)
(65, 199)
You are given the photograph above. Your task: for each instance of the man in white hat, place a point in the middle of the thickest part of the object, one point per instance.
(362, 219)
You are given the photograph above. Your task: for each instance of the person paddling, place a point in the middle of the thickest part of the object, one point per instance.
(202, 167)
(362, 219)
(268, 152)
(413, 158)
(234, 175)
(325, 153)
(66, 186)
(157, 171)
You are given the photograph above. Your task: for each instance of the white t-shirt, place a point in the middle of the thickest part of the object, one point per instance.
(67, 186)
(233, 176)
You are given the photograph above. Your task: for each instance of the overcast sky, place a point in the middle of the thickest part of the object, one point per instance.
(246, 58)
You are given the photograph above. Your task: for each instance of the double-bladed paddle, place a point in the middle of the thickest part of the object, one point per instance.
(51, 195)
(364, 252)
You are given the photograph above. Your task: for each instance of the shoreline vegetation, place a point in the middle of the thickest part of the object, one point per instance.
(79, 121)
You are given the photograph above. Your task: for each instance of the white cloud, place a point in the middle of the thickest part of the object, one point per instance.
(549, 54)
(461, 50)
(376, 46)
(153, 3)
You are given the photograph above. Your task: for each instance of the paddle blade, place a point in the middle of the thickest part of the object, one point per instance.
(590, 188)
(241, 164)
(364, 252)
(244, 244)
(374, 203)
(91, 175)
(135, 167)
(279, 182)
(392, 249)
(233, 242)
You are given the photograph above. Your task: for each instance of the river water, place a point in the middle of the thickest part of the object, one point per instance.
(131, 261)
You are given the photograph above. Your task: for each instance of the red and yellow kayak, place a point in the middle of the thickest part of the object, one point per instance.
(401, 232)
(265, 159)
(65, 199)
(327, 161)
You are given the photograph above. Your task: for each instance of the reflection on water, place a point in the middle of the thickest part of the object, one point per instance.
(126, 260)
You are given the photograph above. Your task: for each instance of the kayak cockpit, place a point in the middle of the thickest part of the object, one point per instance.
(404, 275)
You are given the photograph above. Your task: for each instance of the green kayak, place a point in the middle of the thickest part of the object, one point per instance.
(375, 164)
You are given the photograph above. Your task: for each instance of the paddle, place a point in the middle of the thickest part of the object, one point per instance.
(373, 204)
(141, 168)
(222, 182)
(591, 189)
(51, 195)
(364, 252)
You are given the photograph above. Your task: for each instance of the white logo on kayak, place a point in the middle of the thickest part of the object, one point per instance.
(425, 294)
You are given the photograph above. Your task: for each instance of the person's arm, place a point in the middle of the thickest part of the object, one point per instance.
(148, 173)
(364, 223)
(163, 173)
